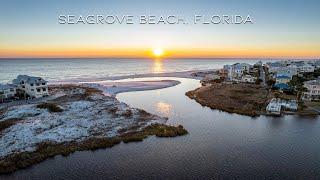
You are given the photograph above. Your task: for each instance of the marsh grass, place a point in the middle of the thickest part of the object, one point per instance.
(47, 150)
(50, 106)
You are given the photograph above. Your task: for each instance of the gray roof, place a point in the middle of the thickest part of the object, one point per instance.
(313, 82)
(28, 79)
(275, 64)
(6, 86)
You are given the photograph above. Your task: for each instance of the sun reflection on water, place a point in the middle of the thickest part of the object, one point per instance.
(157, 66)
(164, 108)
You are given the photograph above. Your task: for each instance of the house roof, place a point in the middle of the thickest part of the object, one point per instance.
(313, 82)
(275, 64)
(282, 86)
(283, 77)
(28, 79)
(6, 86)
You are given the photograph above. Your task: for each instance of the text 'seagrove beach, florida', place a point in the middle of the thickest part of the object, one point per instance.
(160, 89)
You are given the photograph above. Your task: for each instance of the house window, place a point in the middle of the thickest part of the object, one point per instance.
(38, 84)
(31, 84)
(38, 90)
(44, 89)
(43, 83)
(32, 89)
(11, 90)
(23, 87)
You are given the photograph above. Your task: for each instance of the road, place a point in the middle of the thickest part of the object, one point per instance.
(263, 75)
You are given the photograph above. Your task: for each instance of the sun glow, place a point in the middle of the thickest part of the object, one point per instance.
(157, 52)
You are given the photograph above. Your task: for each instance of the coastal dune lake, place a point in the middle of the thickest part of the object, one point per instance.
(219, 145)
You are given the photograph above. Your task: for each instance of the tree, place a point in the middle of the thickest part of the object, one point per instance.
(271, 82)
(258, 81)
(300, 90)
(295, 82)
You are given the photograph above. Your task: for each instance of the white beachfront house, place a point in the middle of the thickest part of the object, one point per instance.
(7, 91)
(313, 90)
(276, 105)
(31, 86)
(273, 67)
(237, 70)
(248, 79)
(290, 71)
(317, 64)
(240, 68)
(305, 67)
(229, 69)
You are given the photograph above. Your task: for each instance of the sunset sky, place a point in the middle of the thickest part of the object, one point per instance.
(286, 28)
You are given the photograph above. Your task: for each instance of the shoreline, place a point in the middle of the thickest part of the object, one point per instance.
(111, 88)
(240, 98)
(80, 118)
(179, 74)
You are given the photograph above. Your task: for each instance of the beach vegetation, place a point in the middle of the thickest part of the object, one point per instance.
(50, 106)
(47, 150)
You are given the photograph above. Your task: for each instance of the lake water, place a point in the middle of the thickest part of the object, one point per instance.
(78, 69)
(219, 146)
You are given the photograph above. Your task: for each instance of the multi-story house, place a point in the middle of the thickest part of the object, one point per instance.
(31, 86)
(7, 91)
(313, 90)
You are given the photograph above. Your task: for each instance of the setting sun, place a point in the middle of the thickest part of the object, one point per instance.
(157, 52)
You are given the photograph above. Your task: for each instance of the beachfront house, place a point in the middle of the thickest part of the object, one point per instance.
(317, 64)
(229, 69)
(277, 105)
(236, 71)
(240, 68)
(7, 91)
(304, 67)
(274, 66)
(31, 86)
(248, 79)
(223, 73)
(289, 71)
(273, 107)
(313, 90)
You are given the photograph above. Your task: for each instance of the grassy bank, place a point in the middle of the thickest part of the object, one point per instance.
(245, 99)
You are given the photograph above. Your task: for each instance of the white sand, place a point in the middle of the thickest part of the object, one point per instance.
(182, 74)
(111, 88)
(79, 120)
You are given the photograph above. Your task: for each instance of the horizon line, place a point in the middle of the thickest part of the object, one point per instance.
(164, 58)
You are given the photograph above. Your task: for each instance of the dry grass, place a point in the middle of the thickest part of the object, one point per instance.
(7, 123)
(245, 99)
(50, 106)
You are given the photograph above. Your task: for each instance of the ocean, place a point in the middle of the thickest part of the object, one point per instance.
(77, 69)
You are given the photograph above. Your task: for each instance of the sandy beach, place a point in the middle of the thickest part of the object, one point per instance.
(193, 74)
(111, 88)
(78, 115)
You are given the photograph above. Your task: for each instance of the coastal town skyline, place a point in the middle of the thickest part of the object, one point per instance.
(285, 29)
